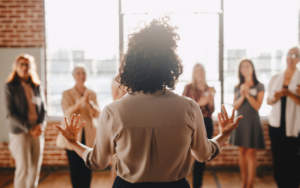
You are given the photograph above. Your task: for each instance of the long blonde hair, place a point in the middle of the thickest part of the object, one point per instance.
(32, 70)
(193, 75)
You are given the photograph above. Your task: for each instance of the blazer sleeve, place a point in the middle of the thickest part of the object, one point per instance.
(67, 104)
(11, 112)
(43, 116)
(203, 149)
(104, 148)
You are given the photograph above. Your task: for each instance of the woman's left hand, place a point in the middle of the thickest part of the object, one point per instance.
(71, 133)
(226, 124)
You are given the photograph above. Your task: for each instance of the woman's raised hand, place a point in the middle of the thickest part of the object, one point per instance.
(71, 133)
(226, 124)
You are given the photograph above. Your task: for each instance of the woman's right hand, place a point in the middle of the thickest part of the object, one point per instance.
(226, 124)
(71, 133)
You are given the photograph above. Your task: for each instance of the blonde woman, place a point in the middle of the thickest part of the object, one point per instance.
(203, 95)
(26, 113)
(80, 100)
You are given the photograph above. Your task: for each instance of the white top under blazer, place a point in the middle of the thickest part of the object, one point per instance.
(292, 109)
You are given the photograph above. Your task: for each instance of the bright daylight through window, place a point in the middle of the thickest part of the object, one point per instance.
(89, 33)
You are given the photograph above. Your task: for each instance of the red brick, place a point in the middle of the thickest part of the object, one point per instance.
(5, 11)
(14, 6)
(6, 21)
(21, 11)
(15, 16)
(14, 36)
(22, 21)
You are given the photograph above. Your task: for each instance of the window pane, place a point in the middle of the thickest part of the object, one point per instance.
(262, 31)
(86, 33)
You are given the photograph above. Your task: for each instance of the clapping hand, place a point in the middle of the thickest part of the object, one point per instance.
(226, 124)
(71, 133)
(85, 98)
(283, 93)
(36, 130)
(244, 89)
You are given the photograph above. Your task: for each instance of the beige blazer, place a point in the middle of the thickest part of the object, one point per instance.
(69, 99)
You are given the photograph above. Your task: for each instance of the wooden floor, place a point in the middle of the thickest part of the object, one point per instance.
(101, 179)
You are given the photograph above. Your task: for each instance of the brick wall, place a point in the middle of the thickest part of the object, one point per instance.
(22, 23)
(57, 157)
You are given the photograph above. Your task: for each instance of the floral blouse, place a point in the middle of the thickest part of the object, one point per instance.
(209, 108)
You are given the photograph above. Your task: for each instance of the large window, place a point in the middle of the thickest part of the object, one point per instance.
(88, 32)
(81, 32)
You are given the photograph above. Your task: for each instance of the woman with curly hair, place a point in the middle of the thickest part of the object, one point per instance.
(153, 132)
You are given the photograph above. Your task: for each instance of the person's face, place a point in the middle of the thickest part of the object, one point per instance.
(199, 73)
(22, 68)
(246, 69)
(79, 76)
(292, 58)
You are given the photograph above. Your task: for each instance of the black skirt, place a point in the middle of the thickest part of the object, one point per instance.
(120, 183)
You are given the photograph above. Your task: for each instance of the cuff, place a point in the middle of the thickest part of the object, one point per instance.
(27, 127)
(85, 155)
(216, 150)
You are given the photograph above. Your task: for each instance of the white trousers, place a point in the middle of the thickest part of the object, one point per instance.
(28, 154)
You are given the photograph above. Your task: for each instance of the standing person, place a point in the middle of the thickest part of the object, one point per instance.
(284, 122)
(248, 97)
(154, 132)
(26, 119)
(200, 92)
(80, 100)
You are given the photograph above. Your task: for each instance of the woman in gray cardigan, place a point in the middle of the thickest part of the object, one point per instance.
(26, 112)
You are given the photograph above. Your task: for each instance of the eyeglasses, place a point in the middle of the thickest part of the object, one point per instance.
(293, 56)
(23, 64)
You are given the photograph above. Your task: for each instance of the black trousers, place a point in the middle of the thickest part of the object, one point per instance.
(199, 167)
(81, 175)
(286, 159)
(120, 183)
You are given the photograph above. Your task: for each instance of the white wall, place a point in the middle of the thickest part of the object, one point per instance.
(7, 57)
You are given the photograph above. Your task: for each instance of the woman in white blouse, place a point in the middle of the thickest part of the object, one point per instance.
(153, 132)
(284, 122)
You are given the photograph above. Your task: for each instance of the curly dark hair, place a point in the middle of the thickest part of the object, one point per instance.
(151, 62)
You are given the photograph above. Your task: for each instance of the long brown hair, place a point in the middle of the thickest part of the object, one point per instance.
(241, 77)
(193, 75)
(32, 70)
